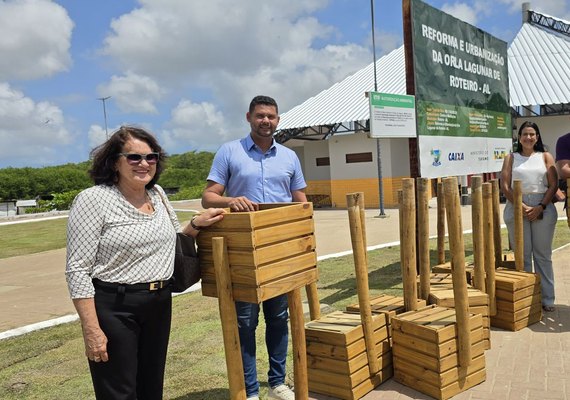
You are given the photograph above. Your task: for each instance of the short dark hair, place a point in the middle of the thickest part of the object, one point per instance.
(538, 146)
(105, 156)
(265, 100)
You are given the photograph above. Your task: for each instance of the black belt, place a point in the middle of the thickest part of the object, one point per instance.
(148, 286)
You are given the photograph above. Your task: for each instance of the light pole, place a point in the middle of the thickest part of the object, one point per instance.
(378, 147)
(103, 99)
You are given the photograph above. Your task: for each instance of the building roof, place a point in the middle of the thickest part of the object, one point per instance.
(539, 74)
(539, 62)
(346, 100)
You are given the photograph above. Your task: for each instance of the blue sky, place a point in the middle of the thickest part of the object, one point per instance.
(186, 69)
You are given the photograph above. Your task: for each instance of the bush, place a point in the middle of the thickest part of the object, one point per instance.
(187, 193)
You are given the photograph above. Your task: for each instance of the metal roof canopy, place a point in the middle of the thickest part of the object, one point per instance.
(538, 75)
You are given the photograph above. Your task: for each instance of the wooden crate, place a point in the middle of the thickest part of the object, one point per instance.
(508, 260)
(445, 268)
(425, 352)
(442, 295)
(518, 298)
(387, 304)
(270, 251)
(337, 359)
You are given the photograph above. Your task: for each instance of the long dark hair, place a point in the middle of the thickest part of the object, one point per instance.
(538, 146)
(105, 156)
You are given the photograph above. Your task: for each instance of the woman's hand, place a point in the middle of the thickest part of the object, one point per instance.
(95, 345)
(532, 213)
(94, 338)
(208, 217)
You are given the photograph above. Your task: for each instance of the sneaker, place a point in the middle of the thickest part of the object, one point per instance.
(253, 398)
(281, 392)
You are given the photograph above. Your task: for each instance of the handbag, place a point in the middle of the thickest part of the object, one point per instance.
(186, 262)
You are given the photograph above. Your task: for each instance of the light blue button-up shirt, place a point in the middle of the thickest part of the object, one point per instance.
(244, 170)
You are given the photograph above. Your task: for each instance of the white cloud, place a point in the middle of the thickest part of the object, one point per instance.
(195, 126)
(461, 11)
(35, 37)
(29, 130)
(96, 135)
(133, 93)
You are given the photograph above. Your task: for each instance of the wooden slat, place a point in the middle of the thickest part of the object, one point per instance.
(515, 280)
(511, 307)
(357, 392)
(509, 295)
(350, 380)
(516, 325)
(437, 349)
(439, 380)
(280, 232)
(340, 352)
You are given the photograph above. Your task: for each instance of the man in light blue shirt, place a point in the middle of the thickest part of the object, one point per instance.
(244, 173)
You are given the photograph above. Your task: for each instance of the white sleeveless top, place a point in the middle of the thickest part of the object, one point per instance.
(531, 171)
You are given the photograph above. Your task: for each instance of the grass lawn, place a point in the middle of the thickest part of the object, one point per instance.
(38, 236)
(50, 364)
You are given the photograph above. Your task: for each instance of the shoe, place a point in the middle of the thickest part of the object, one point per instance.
(253, 398)
(548, 308)
(281, 392)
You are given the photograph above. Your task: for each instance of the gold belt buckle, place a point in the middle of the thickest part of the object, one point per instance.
(155, 286)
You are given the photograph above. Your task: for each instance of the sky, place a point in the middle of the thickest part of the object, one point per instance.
(186, 70)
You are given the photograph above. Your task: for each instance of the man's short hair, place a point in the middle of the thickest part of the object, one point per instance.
(264, 100)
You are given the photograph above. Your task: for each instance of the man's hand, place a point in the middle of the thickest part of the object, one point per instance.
(242, 203)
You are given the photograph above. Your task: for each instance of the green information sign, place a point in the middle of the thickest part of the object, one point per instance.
(392, 115)
(462, 94)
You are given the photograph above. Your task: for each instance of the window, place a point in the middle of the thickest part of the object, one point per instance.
(358, 157)
(323, 161)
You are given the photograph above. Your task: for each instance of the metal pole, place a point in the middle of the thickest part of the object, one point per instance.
(103, 99)
(378, 147)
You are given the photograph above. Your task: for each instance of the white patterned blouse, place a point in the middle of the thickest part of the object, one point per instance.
(109, 239)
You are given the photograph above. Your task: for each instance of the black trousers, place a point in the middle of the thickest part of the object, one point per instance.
(137, 326)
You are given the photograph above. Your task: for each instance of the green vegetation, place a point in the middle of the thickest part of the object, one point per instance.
(50, 364)
(186, 172)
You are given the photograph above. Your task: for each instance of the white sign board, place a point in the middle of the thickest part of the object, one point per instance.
(392, 115)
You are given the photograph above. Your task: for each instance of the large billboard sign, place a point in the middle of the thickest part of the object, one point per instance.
(462, 95)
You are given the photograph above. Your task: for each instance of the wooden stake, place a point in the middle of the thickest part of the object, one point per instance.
(228, 317)
(313, 300)
(301, 379)
(423, 236)
(361, 269)
(477, 224)
(456, 248)
(496, 202)
(488, 239)
(519, 234)
(440, 224)
(408, 244)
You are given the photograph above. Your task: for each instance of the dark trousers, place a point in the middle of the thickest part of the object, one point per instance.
(137, 326)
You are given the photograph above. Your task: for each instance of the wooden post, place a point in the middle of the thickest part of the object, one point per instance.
(423, 236)
(519, 234)
(228, 317)
(496, 202)
(400, 226)
(361, 269)
(408, 244)
(488, 238)
(477, 225)
(440, 224)
(456, 248)
(300, 378)
(313, 301)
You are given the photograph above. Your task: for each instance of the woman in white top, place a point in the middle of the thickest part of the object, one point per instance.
(121, 239)
(535, 168)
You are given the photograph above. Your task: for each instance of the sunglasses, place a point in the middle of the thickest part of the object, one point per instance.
(135, 158)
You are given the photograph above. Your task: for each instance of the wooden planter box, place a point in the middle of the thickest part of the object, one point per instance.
(386, 304)
(270, 251)
(519, 299)
(425, 355)
(441, 294)
(336, 355)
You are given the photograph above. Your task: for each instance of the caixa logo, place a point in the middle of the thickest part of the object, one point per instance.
(499, 154)
(456, 157)
(436, 154)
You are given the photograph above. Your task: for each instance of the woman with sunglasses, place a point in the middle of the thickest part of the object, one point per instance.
(121, 239)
